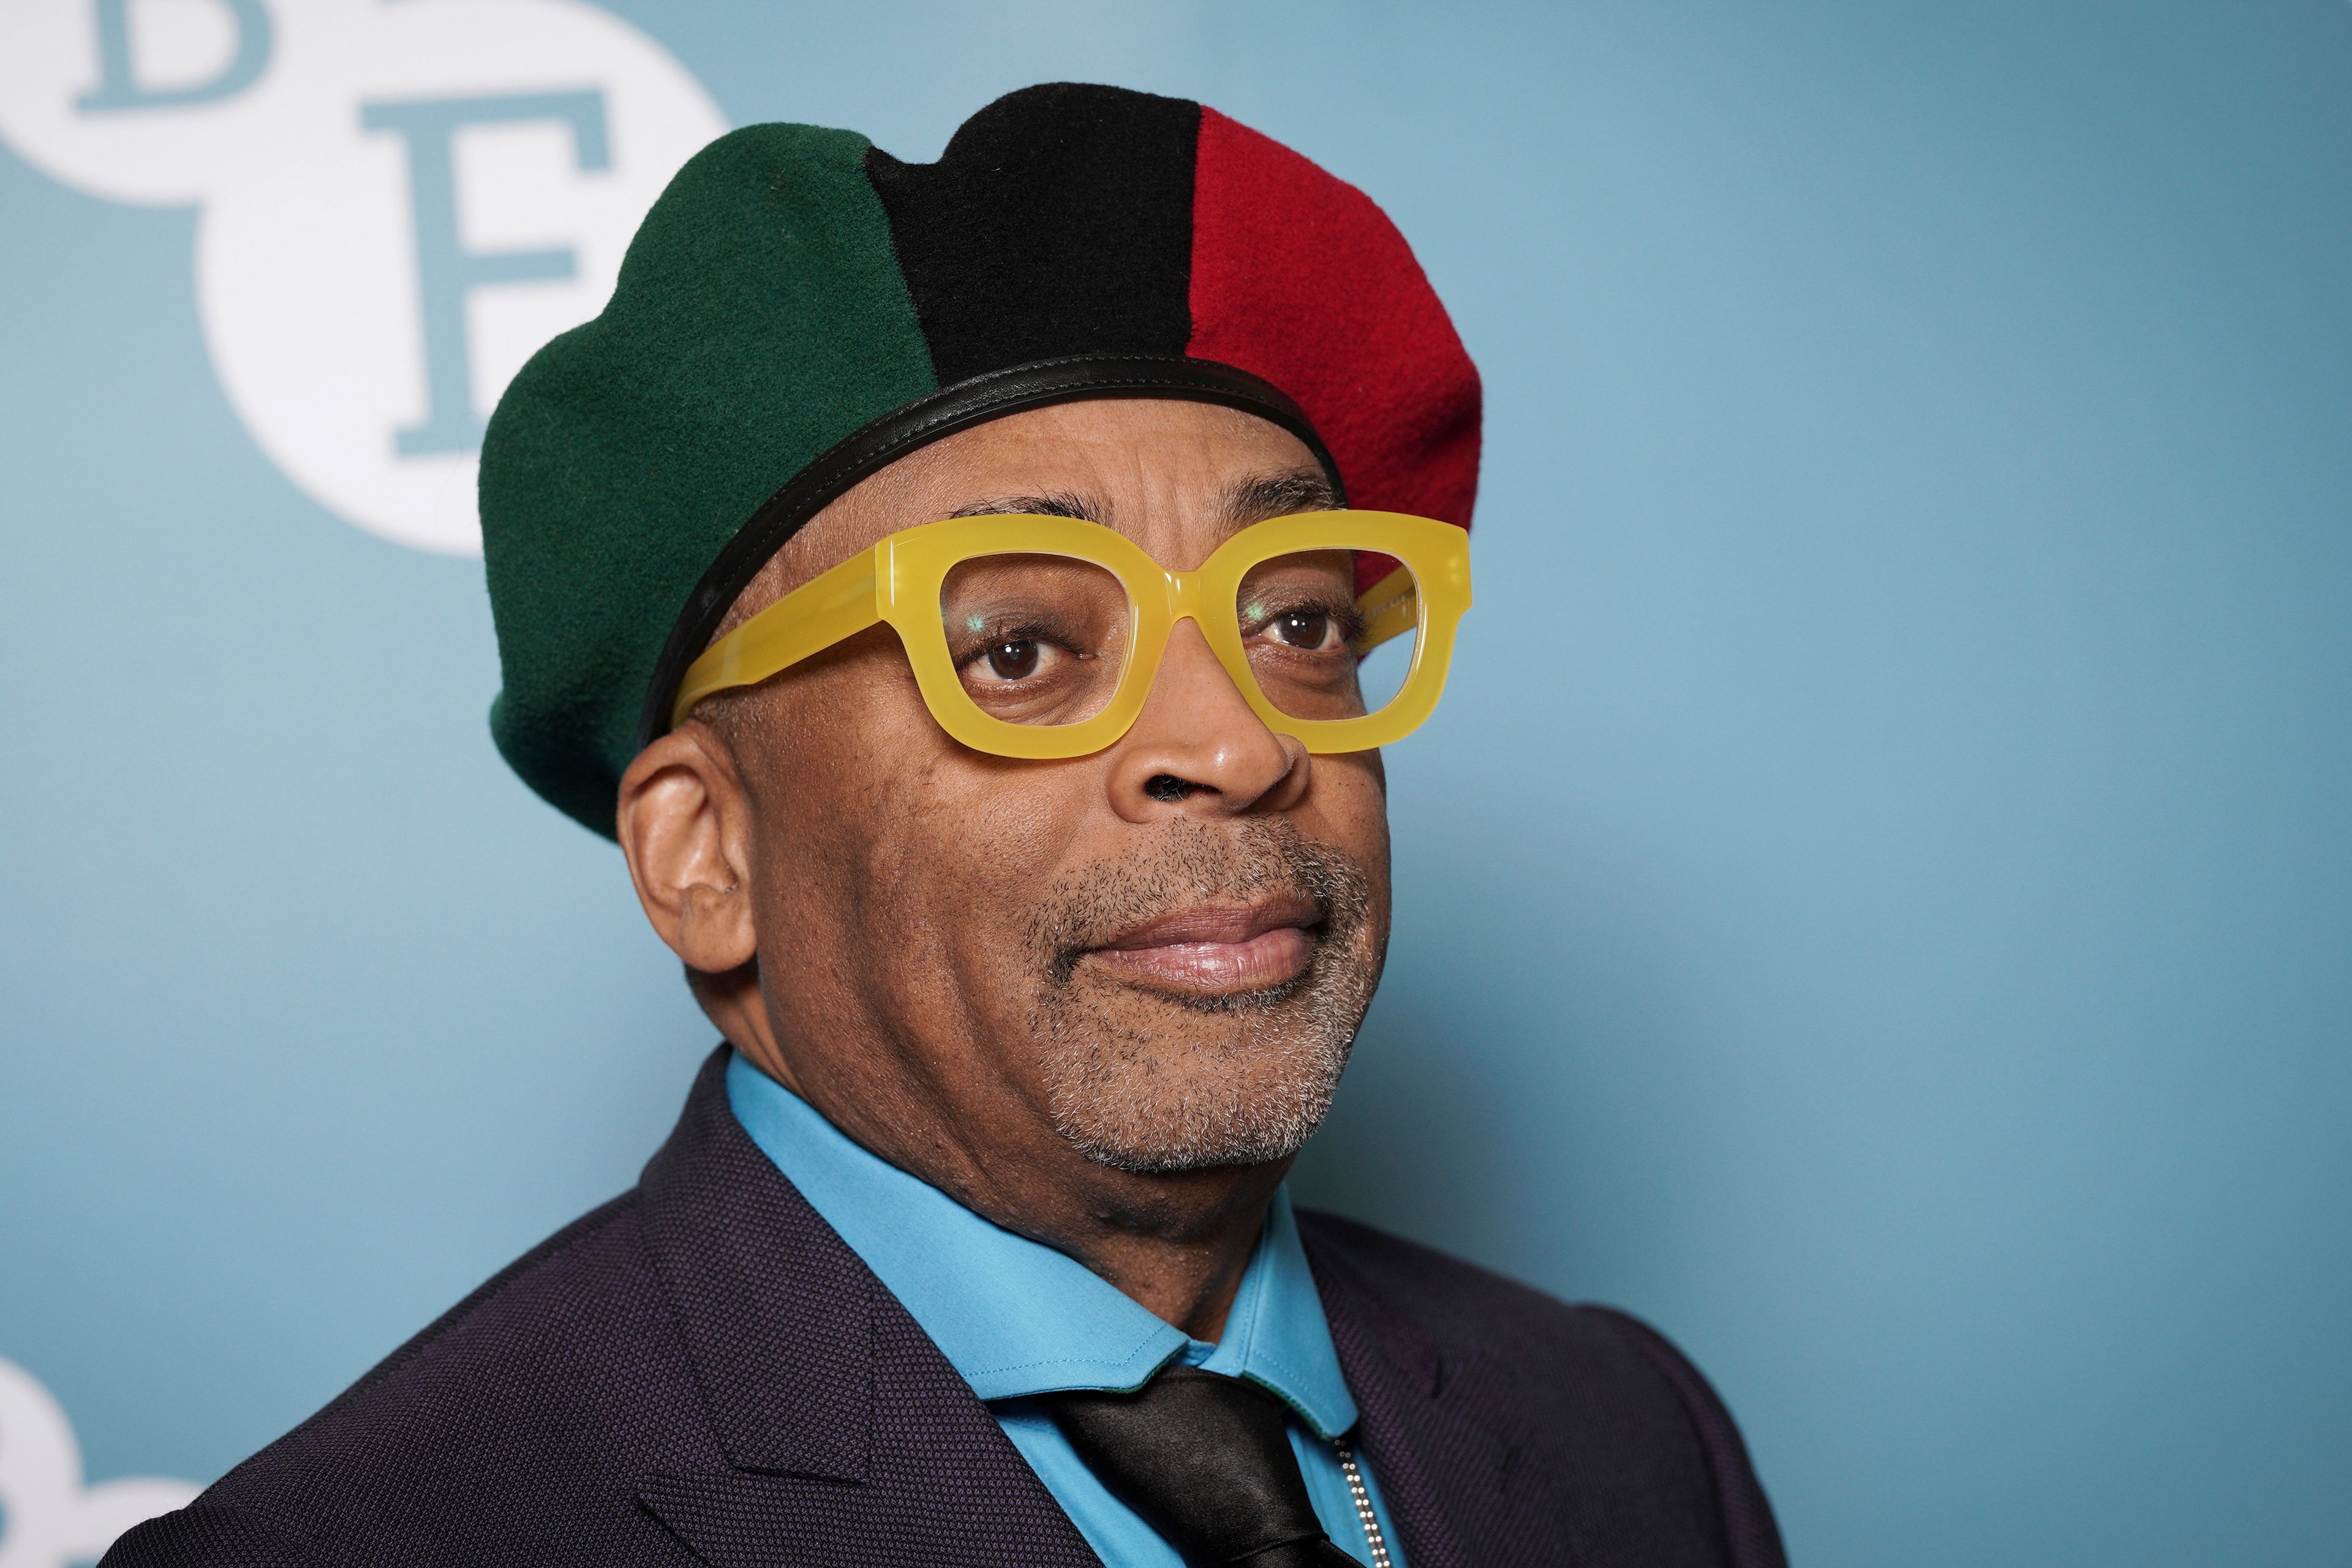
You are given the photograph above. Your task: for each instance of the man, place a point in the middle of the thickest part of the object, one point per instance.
(974, 595)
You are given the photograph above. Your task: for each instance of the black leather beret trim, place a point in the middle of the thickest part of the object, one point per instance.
(881, 442)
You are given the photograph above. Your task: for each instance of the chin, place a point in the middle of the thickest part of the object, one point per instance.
(1158, 1086)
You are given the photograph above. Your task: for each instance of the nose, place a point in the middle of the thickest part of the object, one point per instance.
(1198, 748)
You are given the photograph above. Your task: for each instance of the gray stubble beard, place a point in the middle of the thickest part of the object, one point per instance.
(1136, 1099)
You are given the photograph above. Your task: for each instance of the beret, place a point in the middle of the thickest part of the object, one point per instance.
(800, 308)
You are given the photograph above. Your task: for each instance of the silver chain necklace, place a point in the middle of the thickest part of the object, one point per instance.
(1356, 1490)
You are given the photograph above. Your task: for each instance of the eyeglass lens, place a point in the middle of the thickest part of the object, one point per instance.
(1042, 639)
(1323, 642)
(1036, 639)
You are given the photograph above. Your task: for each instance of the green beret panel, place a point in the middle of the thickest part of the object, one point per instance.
(760, 318)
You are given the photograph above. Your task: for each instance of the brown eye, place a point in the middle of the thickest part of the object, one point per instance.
(1016, 660)
(1303, 628)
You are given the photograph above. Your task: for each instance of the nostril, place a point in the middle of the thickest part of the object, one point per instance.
(1168, 786)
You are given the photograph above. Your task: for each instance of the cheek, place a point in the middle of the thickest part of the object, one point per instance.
(988, 835)
(912, 851)
(1348, 807)
(963, 851)
(830, 759)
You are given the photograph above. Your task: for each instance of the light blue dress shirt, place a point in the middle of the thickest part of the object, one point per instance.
(1018, 1319)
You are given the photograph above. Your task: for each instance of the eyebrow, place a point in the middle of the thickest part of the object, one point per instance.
(1247, 500)
(1055, 503)
(1262, 496)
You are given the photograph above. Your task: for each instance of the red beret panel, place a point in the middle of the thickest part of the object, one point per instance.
(1297, 277)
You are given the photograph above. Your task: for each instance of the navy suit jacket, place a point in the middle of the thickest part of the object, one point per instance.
(701, 1371)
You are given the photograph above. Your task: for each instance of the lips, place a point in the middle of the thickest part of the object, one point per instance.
(1215, 950)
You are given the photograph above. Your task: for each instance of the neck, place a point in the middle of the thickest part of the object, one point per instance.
(1177, 1244)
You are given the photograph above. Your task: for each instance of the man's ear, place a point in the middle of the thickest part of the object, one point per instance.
(685, 823)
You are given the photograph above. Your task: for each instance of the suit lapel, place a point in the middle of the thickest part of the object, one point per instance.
(1396, 1376)
(849, 1439)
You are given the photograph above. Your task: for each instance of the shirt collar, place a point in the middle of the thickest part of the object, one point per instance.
(1016, 1318)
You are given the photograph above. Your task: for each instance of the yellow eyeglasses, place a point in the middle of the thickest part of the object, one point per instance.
(1039, 636)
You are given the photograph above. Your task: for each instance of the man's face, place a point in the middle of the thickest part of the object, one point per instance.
(1157, 955)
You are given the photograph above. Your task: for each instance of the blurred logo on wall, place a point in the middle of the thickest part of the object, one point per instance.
(48, 1519)
(400, 200)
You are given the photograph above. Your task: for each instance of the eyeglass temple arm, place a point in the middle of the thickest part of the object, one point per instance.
(828, 609)
(1389, 608)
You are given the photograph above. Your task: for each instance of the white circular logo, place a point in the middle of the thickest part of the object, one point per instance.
(400, 201)
(49, 1517)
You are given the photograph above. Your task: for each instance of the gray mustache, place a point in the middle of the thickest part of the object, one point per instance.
(1197, 862)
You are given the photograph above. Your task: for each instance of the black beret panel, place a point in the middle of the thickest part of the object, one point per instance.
(1058, 222)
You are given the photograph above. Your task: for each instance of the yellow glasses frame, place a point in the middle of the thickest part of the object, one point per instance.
(899, 582)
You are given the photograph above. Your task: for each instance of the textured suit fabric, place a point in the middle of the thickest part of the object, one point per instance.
(700, 1370)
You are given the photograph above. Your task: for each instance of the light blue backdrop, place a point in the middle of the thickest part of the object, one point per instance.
(1877, 900)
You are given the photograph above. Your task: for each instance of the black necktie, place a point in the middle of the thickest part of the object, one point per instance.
(1206, 1459)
